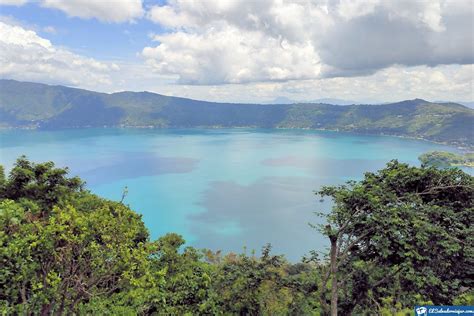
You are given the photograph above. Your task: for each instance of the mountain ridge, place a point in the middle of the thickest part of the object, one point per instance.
(37, 105)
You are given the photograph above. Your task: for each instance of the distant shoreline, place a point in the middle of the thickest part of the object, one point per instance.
(461, 147)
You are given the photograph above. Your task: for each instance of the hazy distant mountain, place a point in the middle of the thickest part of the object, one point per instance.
(469, 104)
(285, 100)
(281, 100)
(334, 101)
(34, 105)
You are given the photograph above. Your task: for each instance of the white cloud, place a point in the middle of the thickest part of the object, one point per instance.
(50, 29)
(254, 51)
(112, 11)
(213, 41)
(104, 10)
(293, 21)
(168, 17)
(13, 2)
(241, 57)
(217, 42)
(449, 82)
(406, 33)
(24, 55)
(393, 84)
(231, 56)
(349, 9)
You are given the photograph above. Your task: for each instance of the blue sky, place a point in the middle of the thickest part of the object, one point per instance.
(89, 37)
(245, 51)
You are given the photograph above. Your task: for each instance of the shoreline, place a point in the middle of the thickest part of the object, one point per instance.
(463, 148)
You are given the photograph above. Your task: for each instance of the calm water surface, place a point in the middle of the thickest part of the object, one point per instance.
(221, 189)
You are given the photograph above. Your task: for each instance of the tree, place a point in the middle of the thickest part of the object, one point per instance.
(404, 229)
(2, 176)
(265, 285)
(442, 159)
(42, 183)
(64, 250)
(188, 279)
(62, 247)
(399, 236)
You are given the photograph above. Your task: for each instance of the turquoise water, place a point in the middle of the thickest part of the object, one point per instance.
(221, 189)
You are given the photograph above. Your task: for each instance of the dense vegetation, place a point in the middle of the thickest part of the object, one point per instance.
(401, 236)
(33, 105)
(444, 159)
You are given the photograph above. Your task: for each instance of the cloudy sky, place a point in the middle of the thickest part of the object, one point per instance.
(245, 51)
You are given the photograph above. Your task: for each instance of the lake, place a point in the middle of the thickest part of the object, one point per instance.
(220, 188)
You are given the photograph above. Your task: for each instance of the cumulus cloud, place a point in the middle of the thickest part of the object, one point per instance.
(396, 83)
(446, 82)
(230, 56)
(240, 58)
(104, 10)
(214, 41)
(396, 32)
(13, 2)
(292, 21)
(254, 51)
(112, 11)
(24, 55)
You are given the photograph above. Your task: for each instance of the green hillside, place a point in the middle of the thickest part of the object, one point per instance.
(442, 159)
(34, 105)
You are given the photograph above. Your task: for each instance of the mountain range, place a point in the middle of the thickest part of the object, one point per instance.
(285, 100)
(36, 105)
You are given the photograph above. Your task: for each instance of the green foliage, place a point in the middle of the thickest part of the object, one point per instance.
(442, 159)
(56, 254)
(36, 105)
(403, 232)
(268, 285)
(64, 250)
(188, 279)
(404, 238)
(42, 183)
(2, 176)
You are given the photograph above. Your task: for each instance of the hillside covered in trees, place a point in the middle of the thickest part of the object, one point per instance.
(443, 159)
(401, 236)
(34, 105)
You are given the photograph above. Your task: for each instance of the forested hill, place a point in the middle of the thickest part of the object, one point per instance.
(34, 105)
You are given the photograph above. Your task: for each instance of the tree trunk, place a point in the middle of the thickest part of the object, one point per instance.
(333, 275)
(322, 296)
(46, 310)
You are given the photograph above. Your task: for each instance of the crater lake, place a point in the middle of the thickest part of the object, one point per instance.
(228, 189)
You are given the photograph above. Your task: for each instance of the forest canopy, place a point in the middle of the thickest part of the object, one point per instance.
(399, 237)
(443, 159)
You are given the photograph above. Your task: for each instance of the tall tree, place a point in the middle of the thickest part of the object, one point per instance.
(402, 229)
(61, 247)
(43, 183)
